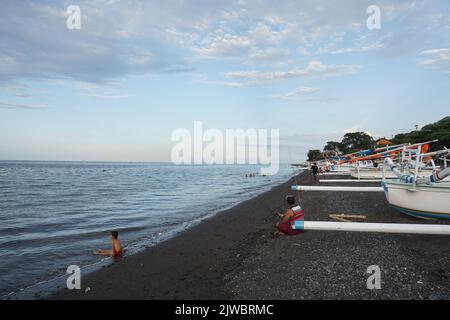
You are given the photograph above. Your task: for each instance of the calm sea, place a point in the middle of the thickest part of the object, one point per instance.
(53, 214)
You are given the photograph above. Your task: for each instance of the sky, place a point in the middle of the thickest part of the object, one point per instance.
(135, 71)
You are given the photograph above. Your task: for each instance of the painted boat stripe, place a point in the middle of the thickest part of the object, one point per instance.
(438, 215)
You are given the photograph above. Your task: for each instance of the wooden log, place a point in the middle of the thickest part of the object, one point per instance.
(347, 216)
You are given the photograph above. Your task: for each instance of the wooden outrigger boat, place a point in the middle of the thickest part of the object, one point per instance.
(416, 189)
(423, 197)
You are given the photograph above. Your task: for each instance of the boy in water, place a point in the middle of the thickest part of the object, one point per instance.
(116, 250)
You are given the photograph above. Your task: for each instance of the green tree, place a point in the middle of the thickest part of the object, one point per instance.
(334, 146)
(436, 131)
(355, 141)
(315, 155)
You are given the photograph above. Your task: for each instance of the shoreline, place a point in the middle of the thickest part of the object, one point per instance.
(215, 235)
(233, 255)
(51, 279)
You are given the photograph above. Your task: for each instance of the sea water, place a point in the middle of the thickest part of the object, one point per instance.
(53, 214)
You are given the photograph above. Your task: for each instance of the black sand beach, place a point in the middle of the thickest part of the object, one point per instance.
(234, 256)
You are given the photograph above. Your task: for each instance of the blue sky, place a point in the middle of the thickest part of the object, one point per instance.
(136, 70)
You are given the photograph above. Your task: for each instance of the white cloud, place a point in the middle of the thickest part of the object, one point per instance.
(106, 91)
(435, 57)
(121, 38)
(267, 55)
(203, 79)
(230, 84)
(21, 106)
(357, 128)
(21, 90)
(111, 96)
(314, 69)
(322, 100)
(298, 92)
(223, 45)
(354, 128)
(365, 43)
(37, 45)
(318, 26)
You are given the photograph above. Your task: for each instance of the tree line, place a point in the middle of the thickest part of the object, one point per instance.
(357, 141)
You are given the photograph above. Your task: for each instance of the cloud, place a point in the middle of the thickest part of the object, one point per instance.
(298, 92)
(252, 39)
(203, 79)
(365, 43)
(359, 128)
(21, 90)
(435, 57)
(126, 38)
(267, 55)
(37, 45)
(106, 95)
(314, 69)
(323, 100)
(230, 84)
(109, 91)
(21, 106)
(224, 45)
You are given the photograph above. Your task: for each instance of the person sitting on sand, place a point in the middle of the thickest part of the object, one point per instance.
(293, 213)
(116, 250)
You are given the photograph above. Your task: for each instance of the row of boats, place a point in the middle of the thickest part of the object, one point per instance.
(411, 180)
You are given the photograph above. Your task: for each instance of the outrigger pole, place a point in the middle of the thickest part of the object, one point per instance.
(430, 229)
(335, 173)
(349, 180)
(387, 152)
(340, 188)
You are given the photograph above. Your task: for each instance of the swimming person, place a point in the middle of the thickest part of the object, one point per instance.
(292, 214)
(116, 250)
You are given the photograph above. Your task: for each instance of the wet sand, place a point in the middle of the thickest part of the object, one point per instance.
(233, 255)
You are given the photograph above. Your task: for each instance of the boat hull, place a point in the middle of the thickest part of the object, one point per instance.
(423, 201)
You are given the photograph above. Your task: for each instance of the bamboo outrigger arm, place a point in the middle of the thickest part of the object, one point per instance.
(340, 188)
(430, 229)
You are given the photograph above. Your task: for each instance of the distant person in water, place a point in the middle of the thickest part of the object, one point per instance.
(315, 171)
(293, 213)
(116, 250)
